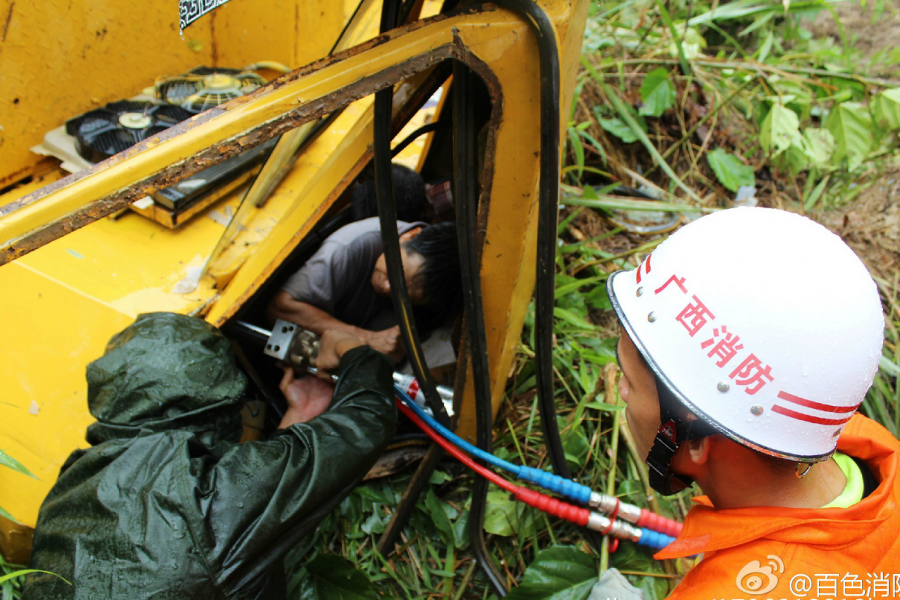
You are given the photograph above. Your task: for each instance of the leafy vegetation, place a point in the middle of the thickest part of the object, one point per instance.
(11, 577)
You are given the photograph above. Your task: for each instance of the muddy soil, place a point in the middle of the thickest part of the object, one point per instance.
(870, 29)
(871, 223)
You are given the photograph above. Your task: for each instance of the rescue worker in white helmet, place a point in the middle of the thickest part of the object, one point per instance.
(749, 339)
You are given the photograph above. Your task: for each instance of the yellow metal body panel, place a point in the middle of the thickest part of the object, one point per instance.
(60, 58)
(94, 281)
(69, 297)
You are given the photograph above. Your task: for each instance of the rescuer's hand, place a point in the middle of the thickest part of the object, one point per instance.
(307, 397)
(332, 346)
(388, 342)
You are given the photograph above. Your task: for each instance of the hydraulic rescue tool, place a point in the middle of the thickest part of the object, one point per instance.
(290, 344)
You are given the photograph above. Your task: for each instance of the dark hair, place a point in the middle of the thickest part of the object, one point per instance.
(439, 275)
(409, 190)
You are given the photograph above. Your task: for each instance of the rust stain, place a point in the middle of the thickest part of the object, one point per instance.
(251, 138)
(214, 48)
(8, 19)
(11, 180)
(210, 156)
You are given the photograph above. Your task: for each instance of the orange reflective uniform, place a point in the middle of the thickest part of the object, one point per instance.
(802, 553)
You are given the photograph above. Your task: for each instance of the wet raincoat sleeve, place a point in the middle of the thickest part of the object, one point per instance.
(257, 500)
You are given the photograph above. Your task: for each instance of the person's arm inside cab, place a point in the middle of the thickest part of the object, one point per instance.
(308, 397)
(318, 321)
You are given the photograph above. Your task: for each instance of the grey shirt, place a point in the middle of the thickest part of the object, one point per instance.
(338, 277)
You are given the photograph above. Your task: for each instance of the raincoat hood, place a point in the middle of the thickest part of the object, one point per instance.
(165, 371)
(164, 506)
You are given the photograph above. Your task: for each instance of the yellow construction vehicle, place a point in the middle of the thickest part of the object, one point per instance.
(83, 254)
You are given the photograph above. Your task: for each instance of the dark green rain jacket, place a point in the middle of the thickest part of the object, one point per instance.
(166, 503)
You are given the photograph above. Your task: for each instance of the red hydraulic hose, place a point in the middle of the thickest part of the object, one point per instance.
(651, 520)
(551, 506)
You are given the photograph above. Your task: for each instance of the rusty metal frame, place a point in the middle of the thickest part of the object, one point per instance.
(217, 135)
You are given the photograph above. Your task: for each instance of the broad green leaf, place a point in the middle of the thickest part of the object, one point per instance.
(506, 516)
(334, 578)
(794, 159)
(812, 149)
(842, 87)
(438, 477)
(557, 573)
(887, 109)
(618, 128)
(657, 92)
(500, 513)
(818, 146)
(779, 130)
(376, 521)
(851, 126)
(729, 170)
(575, 443)
(8, 461)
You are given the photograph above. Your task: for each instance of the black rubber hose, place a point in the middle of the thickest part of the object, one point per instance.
(404, 11)
(548, 201)
(465, 171)
(548, 220)
(414, 135)
(387, 215)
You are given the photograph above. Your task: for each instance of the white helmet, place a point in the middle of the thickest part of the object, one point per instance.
(762, 322)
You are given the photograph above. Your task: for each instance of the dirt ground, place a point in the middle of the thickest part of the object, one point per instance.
(868, 28)
(871, 223)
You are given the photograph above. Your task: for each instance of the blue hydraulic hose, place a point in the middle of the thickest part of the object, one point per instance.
(554, 483)
(654, 539)
(651, 539)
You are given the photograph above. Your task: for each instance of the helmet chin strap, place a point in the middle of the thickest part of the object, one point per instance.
(672, 432)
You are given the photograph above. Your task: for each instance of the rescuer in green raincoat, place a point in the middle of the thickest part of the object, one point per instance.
(166, 503)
